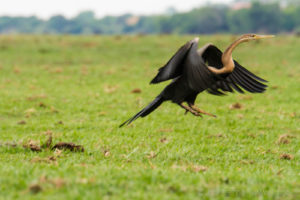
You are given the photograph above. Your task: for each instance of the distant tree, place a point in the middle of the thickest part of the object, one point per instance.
(84, 23)
(19, 24)
(267, 16)
(239, 21)
(56, 24)
(205, 21)
(289, 19)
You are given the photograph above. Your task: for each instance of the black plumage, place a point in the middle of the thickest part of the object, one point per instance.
(189, 70)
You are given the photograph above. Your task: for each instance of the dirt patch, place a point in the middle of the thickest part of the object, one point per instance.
(60, 123)
(284, 139)
(235, 106)
(286, 156)
(36, 147)
(274, 87)
(164, 140)
(33, 147)
(136, 90)
(22, 122)
(68, 146)
(42, 105)
(35, 188)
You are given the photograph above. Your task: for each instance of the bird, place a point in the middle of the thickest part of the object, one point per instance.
(194, 70)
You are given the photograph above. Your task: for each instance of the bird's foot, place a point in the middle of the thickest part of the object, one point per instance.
(195, 113)
(201, 111)
(189, 109)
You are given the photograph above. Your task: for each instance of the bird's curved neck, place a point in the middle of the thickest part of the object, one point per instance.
(227, 61)
(228, 52)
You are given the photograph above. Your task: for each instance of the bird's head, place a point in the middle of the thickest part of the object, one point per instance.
(249, 37)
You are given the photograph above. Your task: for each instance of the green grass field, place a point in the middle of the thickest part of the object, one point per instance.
(80, 89)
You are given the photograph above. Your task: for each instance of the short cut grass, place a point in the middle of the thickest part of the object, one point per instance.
(81, 88)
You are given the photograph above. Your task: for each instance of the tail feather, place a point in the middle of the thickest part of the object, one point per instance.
(146, 111)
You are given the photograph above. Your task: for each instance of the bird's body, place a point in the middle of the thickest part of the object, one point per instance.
(196, 70)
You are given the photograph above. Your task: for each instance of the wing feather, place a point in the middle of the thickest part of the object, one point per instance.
(239, 78)
(173, 68)
(196, 73)
(248, 72)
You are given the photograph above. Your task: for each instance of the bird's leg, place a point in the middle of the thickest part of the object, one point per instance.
(193, 107)
(189, 109)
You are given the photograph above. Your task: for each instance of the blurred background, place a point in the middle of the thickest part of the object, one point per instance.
(149, 17)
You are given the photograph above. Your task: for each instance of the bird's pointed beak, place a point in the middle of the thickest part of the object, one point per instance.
(258, 37)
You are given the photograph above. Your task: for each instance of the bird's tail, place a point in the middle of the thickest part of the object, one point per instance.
(147, 110)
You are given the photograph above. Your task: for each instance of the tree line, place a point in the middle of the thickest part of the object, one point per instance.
(259, 17)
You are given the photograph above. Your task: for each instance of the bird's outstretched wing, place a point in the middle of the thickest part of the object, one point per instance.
(195, 71)
(173, 68)
(240, 78)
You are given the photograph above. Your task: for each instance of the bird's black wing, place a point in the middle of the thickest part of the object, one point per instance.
(195, 72)
(173, 68)
(240, 78)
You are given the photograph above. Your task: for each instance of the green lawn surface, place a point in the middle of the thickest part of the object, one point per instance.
(79, 89)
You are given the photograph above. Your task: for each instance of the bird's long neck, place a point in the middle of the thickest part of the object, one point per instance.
(227, 61)
(227, 55)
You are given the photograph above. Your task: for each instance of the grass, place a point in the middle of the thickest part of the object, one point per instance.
(79, 88)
